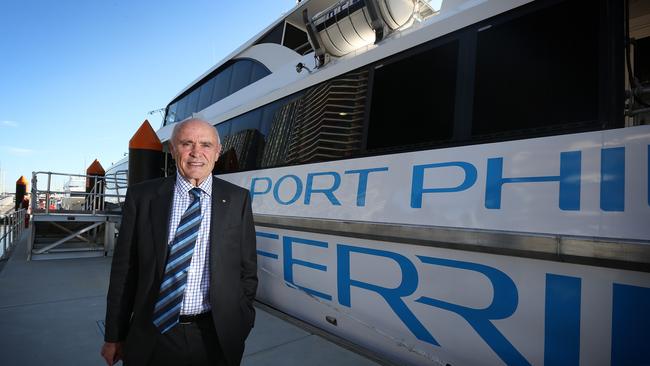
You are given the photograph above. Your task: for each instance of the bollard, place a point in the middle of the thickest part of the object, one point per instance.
(95, 183)
(145, 155)
(21, 189)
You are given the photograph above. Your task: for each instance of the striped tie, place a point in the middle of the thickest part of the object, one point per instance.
(172, 288)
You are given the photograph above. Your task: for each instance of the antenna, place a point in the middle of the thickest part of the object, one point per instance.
(162, 115)
(159, 110)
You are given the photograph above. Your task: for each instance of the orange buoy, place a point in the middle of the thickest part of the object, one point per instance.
(145, 155)
(21, 190)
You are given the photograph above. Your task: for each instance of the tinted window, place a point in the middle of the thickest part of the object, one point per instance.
(192, 102)
(274, 36)
(538, 71)
(171, 114)
(323, 123)
(216, 87)
(241, 75)
(224, 130)
(296, 39)
(268, 114)
(222, 84)
(642, 60)
(205, 94)
(402, 114)
(259, 71)
(181, 111)
(247, 121)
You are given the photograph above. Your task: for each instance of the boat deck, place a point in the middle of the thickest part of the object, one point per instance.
(52, 311)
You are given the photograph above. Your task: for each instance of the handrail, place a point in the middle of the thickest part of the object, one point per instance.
(116, 181)
(12, 226)
(94, 201)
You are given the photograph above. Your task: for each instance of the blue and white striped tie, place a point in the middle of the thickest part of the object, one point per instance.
(172, 288)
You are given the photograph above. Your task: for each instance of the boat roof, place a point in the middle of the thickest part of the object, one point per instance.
(293, 16)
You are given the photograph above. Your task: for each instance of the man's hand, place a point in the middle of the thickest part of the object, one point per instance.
(112, 352)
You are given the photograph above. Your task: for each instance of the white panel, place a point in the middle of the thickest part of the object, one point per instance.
(465, 280)
(273, 56)
(532, 207)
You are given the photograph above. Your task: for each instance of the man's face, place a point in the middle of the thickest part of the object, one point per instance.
(196, 150)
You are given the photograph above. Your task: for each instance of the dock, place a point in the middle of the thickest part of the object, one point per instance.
(6, 203)
(52, 312)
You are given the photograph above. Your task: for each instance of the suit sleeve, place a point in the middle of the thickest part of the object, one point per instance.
(121, 290)
(248, 251)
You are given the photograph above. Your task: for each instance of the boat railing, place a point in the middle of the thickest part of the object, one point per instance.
(92, 200)
(117, 182)
(11, 228)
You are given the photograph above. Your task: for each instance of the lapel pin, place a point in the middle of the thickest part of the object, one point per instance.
(224, 201)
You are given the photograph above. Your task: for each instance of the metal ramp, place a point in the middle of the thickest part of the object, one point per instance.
(73, 222)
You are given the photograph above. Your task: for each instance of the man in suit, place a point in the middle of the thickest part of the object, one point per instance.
(184, 272)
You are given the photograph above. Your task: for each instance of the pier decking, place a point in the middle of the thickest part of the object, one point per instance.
(52, 311)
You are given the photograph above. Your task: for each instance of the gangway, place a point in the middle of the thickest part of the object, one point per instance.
(72, 223)
(7, 203)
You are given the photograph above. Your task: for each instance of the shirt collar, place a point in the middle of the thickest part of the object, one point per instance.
(184, 186)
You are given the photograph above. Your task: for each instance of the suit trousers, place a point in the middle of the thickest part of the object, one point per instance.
(188, 344)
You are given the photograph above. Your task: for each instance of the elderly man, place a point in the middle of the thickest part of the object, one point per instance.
(184, 271)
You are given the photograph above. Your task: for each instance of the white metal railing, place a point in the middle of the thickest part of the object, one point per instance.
(46, 200)
(116, 182)
(12, 226)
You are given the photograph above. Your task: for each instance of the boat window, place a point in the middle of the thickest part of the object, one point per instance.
(218, 85)
(192, 102)
(413, 99)
(241, 75)
(642, 60)
(280, 118)
(322, 123)
(296, 39)
(242, 147)
(205, 94)
(268, 114)
(538, 72)
(247, 121)
(170, 117)
(222, 84)
(259, 71)
(224, 130)
(274, 35)
(317, 125)
(181, 111)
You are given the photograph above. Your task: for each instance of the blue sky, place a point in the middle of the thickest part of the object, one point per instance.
(77, 78)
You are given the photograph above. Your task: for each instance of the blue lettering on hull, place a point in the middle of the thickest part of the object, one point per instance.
(630, 331)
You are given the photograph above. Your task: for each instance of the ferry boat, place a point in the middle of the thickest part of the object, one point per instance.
(456, 182)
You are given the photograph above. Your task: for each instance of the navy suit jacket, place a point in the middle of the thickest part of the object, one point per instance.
(140, 256)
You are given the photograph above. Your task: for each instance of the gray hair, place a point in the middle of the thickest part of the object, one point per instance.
(179, 125)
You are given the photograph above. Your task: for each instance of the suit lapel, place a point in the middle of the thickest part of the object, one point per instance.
(160, 211)
(220, 204)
